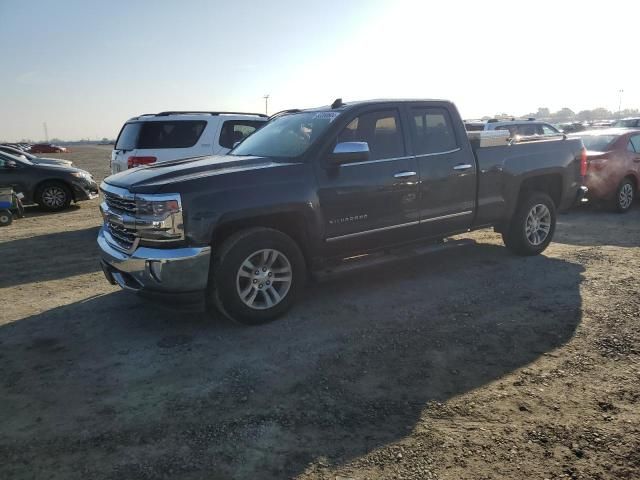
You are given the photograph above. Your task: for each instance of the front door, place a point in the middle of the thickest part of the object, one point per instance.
(371, 203)
(447, 172)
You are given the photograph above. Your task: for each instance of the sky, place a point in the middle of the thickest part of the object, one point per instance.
(84, 68)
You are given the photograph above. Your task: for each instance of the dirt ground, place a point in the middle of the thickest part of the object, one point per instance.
(467, 364)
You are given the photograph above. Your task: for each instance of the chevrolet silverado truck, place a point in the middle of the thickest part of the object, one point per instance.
(242, 232)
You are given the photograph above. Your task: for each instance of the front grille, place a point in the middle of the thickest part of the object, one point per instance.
(120, 204)
(124, 237)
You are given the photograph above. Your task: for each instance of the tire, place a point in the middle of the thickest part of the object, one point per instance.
(5, 218)
(252, 298)
(625, 194)
(522, 236)
(54, 196)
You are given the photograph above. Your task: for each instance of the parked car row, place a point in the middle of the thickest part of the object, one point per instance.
(36, 148)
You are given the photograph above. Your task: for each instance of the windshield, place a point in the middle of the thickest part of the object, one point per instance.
(597, 143)
(287, 136)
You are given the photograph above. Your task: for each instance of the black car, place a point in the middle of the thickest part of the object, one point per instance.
(51, 186)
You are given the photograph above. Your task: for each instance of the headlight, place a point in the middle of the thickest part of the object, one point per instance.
(159, 218)
(85, 175)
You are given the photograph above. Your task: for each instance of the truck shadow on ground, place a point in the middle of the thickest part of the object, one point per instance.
(49, 257)
(113, 388)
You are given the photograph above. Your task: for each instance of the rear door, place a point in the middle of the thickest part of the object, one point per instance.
(371, 203)
(447, 192)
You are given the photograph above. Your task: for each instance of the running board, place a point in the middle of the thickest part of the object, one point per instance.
(380, 258)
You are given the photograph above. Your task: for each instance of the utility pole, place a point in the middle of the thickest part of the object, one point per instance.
(620, 92)
(266, 104)
(46, 132)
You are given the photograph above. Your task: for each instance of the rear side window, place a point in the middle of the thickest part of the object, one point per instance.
(234, 131)
(432, 130)
(128, 136)
(635, 141)
(170, 134)
(381, 130)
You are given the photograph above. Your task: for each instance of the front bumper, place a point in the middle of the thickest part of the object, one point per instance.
(85, 191)
(155, 270)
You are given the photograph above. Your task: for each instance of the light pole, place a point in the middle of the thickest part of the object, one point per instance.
(266, 104)
(620, 92)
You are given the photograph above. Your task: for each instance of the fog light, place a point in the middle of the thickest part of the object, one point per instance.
(155, 270)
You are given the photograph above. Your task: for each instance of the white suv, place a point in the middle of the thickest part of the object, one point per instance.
(165, 136)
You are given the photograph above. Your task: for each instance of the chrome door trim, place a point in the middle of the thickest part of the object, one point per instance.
(377, 161)
(365, 232)
(405, 174)
(444, 217)
(400, 225)
(463, 166)
(438, 153)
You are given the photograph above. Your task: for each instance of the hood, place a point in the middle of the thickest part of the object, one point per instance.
(152, 177)
(51, 161)
(57, 168)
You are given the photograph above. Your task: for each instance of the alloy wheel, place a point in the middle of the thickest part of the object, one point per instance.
(625, 197)
(54, 196)
(538, 224)
(264, 279)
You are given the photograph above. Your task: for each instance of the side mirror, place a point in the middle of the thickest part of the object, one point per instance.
(10, 164)
(349, 152)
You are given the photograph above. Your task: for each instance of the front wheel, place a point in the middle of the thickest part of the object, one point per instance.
(256, 275)
(625, 194)
(54, 196)
(532, 226)
(5, 218)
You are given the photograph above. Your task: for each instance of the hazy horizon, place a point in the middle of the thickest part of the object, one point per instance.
(84, 69)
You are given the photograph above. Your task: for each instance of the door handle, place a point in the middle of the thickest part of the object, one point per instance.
(463, 166)
(404, 174)
(637, 159)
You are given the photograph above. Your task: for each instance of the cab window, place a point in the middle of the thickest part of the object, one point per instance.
(432, 131)
(381, 130)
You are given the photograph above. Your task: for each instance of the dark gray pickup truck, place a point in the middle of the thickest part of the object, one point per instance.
(244, 231)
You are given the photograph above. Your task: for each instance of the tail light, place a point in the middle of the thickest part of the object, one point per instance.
(133, 161)
(583, 162)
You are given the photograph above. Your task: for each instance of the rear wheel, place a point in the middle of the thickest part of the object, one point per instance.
(532, 226)
(256, 275)
(54, 196)
(625, 193)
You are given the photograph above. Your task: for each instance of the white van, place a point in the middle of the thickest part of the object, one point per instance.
(160, 137)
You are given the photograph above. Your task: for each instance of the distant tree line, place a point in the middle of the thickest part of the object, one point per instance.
(568, 115)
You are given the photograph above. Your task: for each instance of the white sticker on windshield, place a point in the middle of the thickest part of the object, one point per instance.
(331, 116)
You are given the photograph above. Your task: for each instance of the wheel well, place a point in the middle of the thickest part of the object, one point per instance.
(634, 180)
(291, 224)
(550, 184)
(36, 191)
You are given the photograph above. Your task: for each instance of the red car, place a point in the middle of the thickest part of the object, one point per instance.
(613, 166)
(46, 148)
